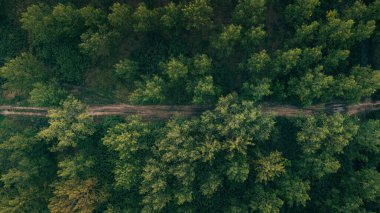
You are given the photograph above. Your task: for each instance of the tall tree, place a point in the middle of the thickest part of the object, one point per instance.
(21, 73)
(69, 135)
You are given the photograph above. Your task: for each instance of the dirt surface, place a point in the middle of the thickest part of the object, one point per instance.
(166, 111)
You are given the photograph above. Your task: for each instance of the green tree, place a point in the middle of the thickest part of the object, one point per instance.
(70, 136)
(189, 150)
(76, 196)
(250, 12)
(22, 182)
(32, 21)
(121, 17)
(287, 60)
(12, 41)
(265, 201)
(366, 145)
(46, 95)
(257, 64)
(321, 139)
(98, 44)
(205, 91)
(226, 42)
(313, 86)
(232, 158)
(54, 34)
(149, 92)
(301, 11)
(358, 172)
(362, 82)
(47, 25)
(202, 65)
(25, 167)
(127, 70)
(132, 142)
(171, 18)
(144, 19)
(104, 32)
(175, 70)
(187, 80)
(256, 92)
(93, 17)
(21, 73)
(269, 167)
(68, 126)
(295, 191)
(197, 15)
(254, 38)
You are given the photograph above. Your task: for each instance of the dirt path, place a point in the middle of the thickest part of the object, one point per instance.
(165, 111)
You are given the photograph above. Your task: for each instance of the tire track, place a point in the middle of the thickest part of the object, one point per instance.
(167, 111)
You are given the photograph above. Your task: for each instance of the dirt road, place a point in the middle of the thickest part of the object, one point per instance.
(165, 111)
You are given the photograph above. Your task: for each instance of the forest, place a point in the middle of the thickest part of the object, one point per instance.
(232, 56)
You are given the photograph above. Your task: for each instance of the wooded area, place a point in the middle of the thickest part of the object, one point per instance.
(234, 55)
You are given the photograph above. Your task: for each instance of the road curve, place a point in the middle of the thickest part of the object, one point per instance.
(166, 111)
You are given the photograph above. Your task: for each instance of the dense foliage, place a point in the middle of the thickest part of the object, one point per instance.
(231, 54)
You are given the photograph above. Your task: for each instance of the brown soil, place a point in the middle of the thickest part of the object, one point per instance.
(166, 111)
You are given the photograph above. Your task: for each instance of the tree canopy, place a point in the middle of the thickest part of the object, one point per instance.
(233, 57)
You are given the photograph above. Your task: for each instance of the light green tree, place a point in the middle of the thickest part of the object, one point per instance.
(227, 41)
(205, 91)
(144, 19)
(321, 139)
(149, 92)
(68, 126)
(120, 17)
(311, 87)
(25, 170)
(21, 73)
(197, 15)
(250, 12)
(46, 95)
(362, 82)
(301, 11)
(270, 167)
(127, 70)
(76, 196)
